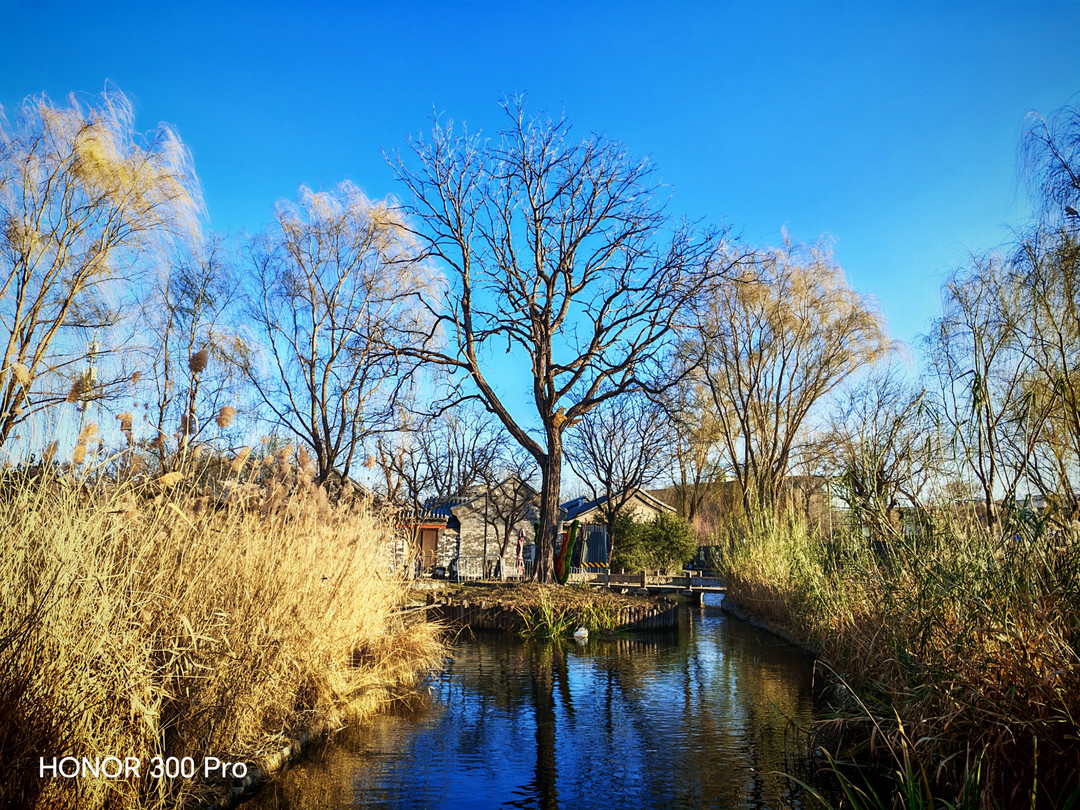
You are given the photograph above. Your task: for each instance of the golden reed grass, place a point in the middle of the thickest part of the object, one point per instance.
(143, 622)
(971, 642)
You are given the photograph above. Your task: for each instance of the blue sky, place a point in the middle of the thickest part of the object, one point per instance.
(891, 127)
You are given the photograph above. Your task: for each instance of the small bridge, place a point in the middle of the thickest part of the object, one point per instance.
(689, 583)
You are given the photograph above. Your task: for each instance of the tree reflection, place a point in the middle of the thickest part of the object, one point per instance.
(694, 719)
(545, 660)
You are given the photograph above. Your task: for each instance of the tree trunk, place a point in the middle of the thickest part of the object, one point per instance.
(547, 542)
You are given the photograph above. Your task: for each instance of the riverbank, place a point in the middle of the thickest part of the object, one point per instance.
(962, 650)
(148, 625)
(544, 610)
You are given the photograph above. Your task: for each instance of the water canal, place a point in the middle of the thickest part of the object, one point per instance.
(693, 719)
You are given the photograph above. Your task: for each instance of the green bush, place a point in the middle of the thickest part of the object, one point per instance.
(628, 552)
(666, 542)
(669, 540)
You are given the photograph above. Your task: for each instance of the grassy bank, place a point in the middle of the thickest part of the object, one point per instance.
(963, 646)
(139, 622)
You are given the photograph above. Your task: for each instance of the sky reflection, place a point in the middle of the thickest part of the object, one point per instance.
(694, 719)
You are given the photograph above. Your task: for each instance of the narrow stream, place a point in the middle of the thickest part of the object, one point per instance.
(698, 718)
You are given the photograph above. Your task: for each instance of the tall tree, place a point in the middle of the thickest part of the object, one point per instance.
(334, 287)
(83, 199)
(557, 249)
(774, 340)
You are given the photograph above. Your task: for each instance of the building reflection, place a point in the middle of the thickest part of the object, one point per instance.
(694, 719)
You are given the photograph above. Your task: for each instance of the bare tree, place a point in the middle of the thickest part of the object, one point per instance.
(334, 284)
(557, 250)
(1048, 271)
(460, 453)
(884, 439)
(463, 448)
(976, 351)
(509, 497)
(617, 448)
(774, 340)
(82, 200)
(190, 382)
(447, 455)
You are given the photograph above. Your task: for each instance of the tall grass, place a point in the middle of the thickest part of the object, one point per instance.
(546, 619)
(137, 622)
(972, 639)
(555, 612)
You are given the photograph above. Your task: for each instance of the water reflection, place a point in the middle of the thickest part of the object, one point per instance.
(693, 719)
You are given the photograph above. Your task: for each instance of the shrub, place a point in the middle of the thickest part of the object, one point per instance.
(669, 541)
(628, 552)
(666, 542)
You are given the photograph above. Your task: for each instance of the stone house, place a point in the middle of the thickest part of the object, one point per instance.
(487, 527)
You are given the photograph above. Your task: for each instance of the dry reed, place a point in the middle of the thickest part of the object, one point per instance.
(142, 625)
(21, 374)
(225, 416)
(972, 641)
(77, 390)
(197, 362)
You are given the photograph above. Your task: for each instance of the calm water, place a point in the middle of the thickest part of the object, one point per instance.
(700, 718)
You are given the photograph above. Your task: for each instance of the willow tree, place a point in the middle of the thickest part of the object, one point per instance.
(83, 199)
(1047, 271)
(773, 341)
(696, 460)
(558, 252)
(1050, 153)
(1047, 268)
(977, 351)
(333, 289)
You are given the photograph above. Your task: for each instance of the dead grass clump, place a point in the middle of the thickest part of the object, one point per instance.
(21, 374)
(155, 626)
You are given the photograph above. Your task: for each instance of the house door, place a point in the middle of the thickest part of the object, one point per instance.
(429, 541)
